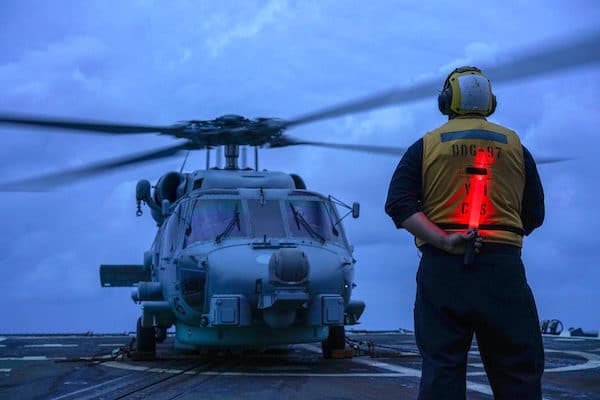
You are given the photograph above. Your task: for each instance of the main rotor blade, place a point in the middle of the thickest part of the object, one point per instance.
(396, 151)
(288, 141)
(387, 98)
(550, 160)
(80, 125)
(49, 181)
(582, 51)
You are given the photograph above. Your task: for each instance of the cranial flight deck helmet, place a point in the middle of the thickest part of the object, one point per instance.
(467, 91)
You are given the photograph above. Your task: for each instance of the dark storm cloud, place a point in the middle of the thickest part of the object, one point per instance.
(145, 62)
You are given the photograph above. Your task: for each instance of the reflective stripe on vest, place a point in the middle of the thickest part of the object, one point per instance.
(448, 162)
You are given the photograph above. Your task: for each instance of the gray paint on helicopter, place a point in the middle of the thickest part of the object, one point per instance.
(104, 62)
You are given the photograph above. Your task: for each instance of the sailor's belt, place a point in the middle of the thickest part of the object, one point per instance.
(486, 227)
(486, 248)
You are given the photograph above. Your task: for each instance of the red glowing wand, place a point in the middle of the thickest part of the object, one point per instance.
(479, 176)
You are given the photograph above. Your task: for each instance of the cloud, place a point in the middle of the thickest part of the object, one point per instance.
(156, 64)
(267, 15)
(475, 54)
(38, 73)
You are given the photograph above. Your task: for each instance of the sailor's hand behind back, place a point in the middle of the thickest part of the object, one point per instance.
(456, 242)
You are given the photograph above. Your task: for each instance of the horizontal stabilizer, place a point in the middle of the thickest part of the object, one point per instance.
(123, 275)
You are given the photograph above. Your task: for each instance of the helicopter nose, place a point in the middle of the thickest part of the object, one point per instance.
(289, 271)
(288, 267)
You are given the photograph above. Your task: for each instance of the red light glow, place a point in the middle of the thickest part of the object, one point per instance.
(478, 183)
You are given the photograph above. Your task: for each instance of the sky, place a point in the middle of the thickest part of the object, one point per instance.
(153, 62)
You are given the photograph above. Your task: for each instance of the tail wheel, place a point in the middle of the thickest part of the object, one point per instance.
(335, 341)
(145, 339)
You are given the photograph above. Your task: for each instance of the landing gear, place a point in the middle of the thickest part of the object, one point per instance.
(145, 342)
(160, 333)
(335, 342)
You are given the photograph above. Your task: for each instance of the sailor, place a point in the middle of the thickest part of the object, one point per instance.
(430, 195)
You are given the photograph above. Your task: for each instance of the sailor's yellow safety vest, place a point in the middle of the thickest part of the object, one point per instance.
(448, 160)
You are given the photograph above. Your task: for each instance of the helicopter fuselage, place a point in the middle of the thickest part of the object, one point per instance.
(247, 266)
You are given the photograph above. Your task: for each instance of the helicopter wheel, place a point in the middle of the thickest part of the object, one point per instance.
(335, 341)
(160, 334)
(145, 341)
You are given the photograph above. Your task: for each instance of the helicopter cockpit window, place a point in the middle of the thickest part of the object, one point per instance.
(308, 218)
(216, 220)
(266, 218)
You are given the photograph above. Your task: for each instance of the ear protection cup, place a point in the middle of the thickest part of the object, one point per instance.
(494, 103)
(445, 99)
(445, 96)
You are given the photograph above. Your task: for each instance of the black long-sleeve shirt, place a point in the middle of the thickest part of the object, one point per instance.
(405, 191)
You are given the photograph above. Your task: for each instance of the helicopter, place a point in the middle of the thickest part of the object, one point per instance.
(244, 257)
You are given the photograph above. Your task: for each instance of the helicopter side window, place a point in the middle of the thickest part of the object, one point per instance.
(215, 220)
(307, 218)
(266, 218)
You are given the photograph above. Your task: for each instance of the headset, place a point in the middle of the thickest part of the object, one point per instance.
(450, 104)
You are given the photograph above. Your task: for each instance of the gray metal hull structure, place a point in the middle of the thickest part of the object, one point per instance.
(60, 367)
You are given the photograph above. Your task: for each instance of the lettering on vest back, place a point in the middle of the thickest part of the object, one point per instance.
(456, 153)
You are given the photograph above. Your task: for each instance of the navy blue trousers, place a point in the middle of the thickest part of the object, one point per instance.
(489, 299)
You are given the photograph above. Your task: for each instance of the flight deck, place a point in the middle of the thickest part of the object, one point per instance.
(384, 365)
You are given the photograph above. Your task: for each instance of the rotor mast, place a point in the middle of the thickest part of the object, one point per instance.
(232, 153)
